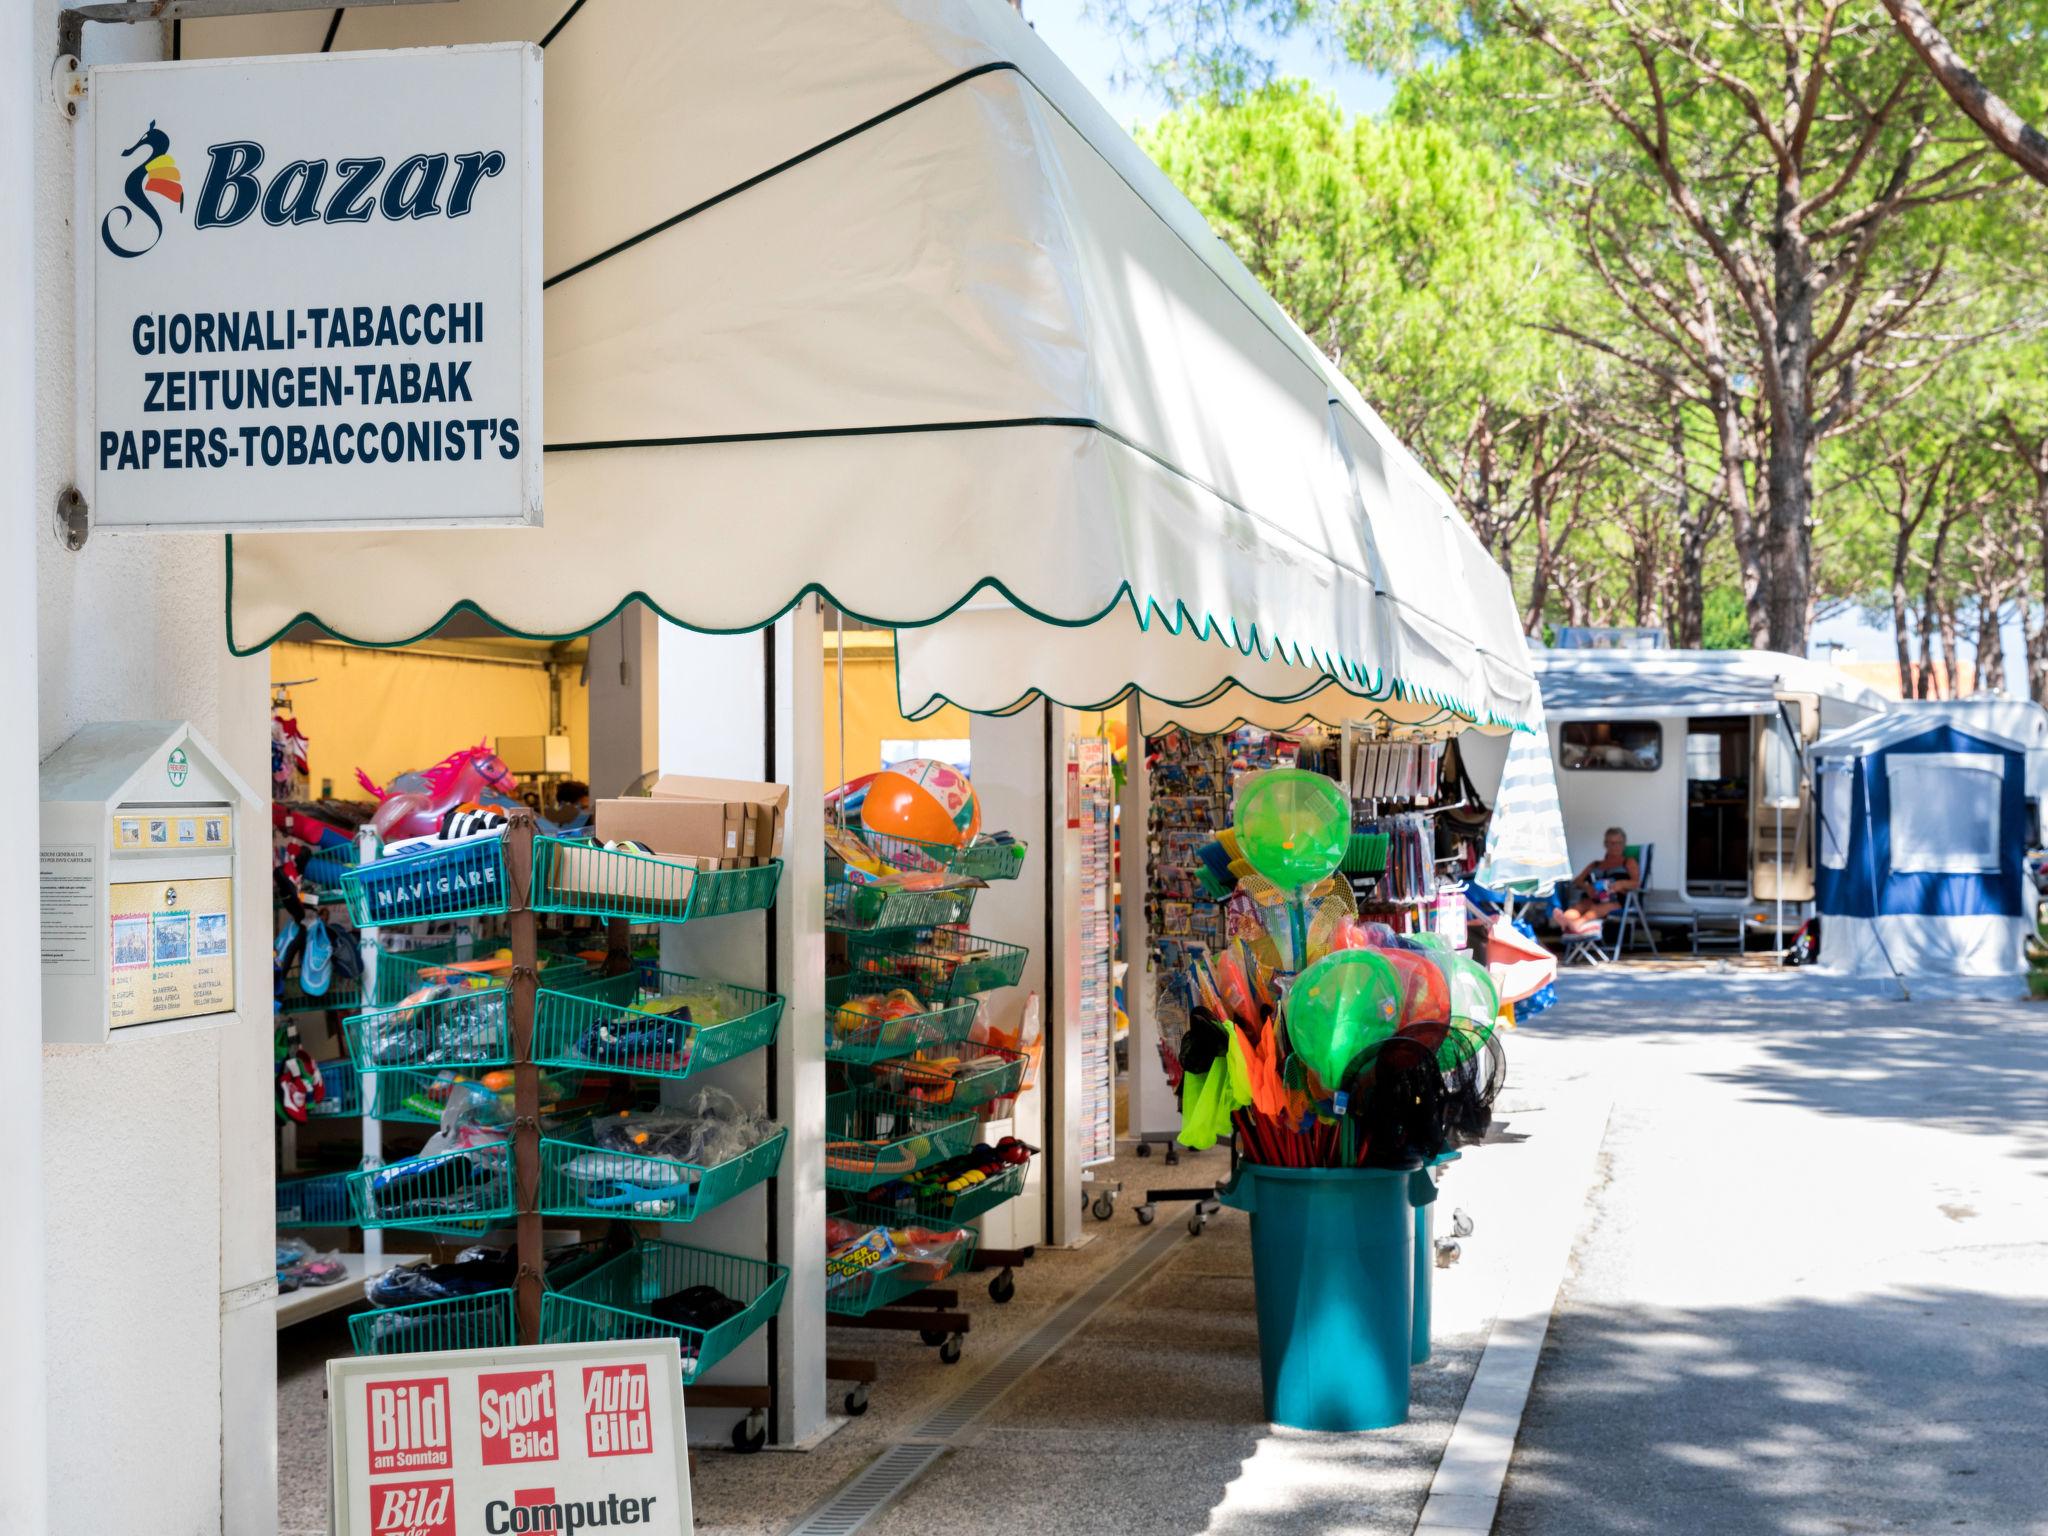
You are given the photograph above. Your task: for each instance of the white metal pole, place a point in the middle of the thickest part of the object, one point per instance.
(24, 1491)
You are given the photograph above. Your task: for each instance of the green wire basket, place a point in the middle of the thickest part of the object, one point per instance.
(873, 1137)
(470, 1028)
(411, 1097)
(923, 1206)
(613, 1301)
(982, 859)
(339, 997)
(344, 1096)
(577, 876)
(860, 1029)
(989, 1073)
(487, 1320)
(326, 868)
(854, 908)
(461, 879)
(465, 1191)
(620, 1024)
(320, 1200)
(578, 1178)
(944, 963)
(866, 1292)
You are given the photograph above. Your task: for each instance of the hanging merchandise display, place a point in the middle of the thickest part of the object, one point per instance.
(915, 1072)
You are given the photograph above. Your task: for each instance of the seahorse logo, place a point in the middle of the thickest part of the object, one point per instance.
(155, 174)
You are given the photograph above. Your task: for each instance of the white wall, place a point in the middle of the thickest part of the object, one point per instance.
(713, 721)
(140, 1262)
(1650, 807)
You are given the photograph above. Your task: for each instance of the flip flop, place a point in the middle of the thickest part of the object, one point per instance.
(316, 968)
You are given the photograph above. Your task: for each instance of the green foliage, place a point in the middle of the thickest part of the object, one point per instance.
(1727, 622)
(1403, 252)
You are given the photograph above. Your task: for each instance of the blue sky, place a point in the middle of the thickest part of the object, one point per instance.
(1092, 54)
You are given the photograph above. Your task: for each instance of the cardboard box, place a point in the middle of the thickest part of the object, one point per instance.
(732, 820)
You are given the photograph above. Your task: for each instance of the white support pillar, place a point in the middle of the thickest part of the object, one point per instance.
(751, 707)
(24, 1501)
(1019, 766)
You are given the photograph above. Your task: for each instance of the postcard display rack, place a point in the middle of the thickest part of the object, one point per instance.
(901, 1107)
(562, 1020)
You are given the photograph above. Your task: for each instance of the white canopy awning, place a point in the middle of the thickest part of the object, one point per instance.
(870, 298)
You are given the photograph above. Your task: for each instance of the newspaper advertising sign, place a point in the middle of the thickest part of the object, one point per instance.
(309, 291)
(557, 1438)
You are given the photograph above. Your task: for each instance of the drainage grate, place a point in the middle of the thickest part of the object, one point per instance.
(1029, 1352)
(889, 1475)
(863, 1496)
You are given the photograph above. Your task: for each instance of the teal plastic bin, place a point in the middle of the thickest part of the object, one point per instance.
(1422, 1195)
(1334, 1271)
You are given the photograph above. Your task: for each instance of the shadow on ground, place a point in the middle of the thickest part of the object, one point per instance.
(1917, 1411)
(1964, 1063)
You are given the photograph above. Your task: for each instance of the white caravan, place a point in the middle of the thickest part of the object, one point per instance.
(1692, 753)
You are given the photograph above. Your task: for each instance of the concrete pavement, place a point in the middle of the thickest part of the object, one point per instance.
(1811, 1291)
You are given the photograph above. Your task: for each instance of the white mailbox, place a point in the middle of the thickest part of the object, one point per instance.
(141, 824)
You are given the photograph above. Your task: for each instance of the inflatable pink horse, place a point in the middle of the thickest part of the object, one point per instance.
(415, 803)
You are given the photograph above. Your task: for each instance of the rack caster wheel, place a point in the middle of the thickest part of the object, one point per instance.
(1461, 1224)
(933, 1336)
(856, 1401)
(1196, 1222)
(1146, 1213)
(1144, 1149)
(1003, 1287)
(750, 1434)
(1105, 1206)
(949, 1352)
(1172, 1155)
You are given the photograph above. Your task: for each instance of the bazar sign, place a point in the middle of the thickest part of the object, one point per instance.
(310, 291)
(556, 1438)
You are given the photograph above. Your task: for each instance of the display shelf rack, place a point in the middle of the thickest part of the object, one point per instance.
(863, 1025)
(469, 1028)
(854, 907)
(633, 1024)
(945, 962)
(925, 1206)
(614, 1301)
(316, 1200)
(875, 1137)
(580, 878)
(466, 1190)
(483, 1321)
(579, 1178)
(460, 879)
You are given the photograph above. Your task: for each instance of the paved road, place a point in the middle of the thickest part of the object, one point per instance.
(1812, 1292)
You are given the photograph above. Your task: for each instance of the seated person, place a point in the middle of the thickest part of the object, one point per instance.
(1598, 888)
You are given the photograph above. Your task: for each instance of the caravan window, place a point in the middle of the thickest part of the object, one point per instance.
(1837, 789)
(1945, 812)
(1634, 746)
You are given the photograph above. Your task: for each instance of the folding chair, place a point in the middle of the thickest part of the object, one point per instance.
(1630, 913)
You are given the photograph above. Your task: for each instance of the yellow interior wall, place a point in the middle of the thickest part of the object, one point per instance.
(871, 713)
(389, 711)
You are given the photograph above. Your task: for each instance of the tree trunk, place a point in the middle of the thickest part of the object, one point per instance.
(1788, 533)
(1734, 440)
(1945, 617)
(1902, 615)
(1990, 642)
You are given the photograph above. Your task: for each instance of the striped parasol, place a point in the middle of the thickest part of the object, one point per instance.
(1525, 847)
